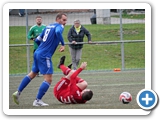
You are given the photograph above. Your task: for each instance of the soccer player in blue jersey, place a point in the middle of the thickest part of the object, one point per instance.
(48, 41)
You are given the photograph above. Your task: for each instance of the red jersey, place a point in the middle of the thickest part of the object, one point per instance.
(66, 91)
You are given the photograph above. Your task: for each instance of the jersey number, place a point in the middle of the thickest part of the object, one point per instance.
(64, 100)
(46, 34)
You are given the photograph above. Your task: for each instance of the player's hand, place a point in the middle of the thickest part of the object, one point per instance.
(83, 65)
(61, 49)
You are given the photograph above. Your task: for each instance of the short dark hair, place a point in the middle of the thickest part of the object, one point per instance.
(59, 15)
(87, 95)
(38, 17)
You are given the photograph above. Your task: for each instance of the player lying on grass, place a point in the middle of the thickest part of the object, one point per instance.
(71, 88)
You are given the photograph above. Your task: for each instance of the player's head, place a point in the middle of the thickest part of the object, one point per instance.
(87, 94)
(77, 23)
(61, 18)
(39, 20)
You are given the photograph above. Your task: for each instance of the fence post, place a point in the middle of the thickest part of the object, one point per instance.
(27, 42)
(121, 38)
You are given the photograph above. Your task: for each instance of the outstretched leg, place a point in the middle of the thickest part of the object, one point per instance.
(65, 69)
(61, 65)
(61, 62)
(25, 81)
(82, 85)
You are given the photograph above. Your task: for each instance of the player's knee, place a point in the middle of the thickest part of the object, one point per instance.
(85, 84)
(32, 74)
(49, 80)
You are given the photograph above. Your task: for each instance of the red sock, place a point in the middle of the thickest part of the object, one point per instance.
(65, 69)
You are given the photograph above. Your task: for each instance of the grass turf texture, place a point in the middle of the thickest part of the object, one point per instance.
(99, 57)
(131, 16)
(106, 87)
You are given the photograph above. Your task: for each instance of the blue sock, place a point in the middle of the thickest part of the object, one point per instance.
(25, 81)
(42, 89)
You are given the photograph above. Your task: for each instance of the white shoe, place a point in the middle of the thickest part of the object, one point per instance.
(39, 103)
(16, 97)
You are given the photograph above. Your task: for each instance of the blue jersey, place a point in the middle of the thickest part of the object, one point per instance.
(49, 40)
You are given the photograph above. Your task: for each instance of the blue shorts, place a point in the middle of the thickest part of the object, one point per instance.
(42, 64)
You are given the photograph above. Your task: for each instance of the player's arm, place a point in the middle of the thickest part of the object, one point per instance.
(75, 74)
(73, 84)
(59, 31)
(30, 34)
(39, 39)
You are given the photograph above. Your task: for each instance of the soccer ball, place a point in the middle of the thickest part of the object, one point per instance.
(125, 97)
